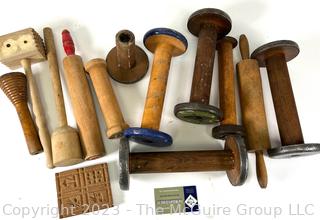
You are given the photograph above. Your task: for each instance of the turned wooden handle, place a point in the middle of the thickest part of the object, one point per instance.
(97, 69)
(261, 169)
(182, 161)
(244, 47)
(83, 107)
(55, 76)
(29, 129)
(157, 87)
(38, 112)
(227, 83)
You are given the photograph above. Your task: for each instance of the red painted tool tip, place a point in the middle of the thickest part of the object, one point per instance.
(68, 44)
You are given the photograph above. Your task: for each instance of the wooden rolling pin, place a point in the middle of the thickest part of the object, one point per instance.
(82, 101)
(14, 85)
(66, 148)
(97, 69)
(253, 110)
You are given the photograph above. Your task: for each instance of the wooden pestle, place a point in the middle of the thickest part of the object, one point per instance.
(157, 86)
(82, 101)
(66, 148)
(14, 85)
(97, 69)
(253, 110)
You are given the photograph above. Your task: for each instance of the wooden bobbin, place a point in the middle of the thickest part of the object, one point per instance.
(165, 44)
(233, 159)
(14, 85)
(97, 69)
(253, 111)
(209, 25)
(275, 56)
(228, 125)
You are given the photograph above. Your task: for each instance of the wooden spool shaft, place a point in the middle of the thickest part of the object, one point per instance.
(126, 48)
(253, 110)
(157, 87)
(182, 161)
(38, 111)
(284, 102)
(83, 107)
(227, 83)
(204, 62)
(97, 69)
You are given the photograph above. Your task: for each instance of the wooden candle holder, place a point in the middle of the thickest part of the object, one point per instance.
(275, 56)
(209, 25)
(127, 63)
(165, 44)
(14, 85)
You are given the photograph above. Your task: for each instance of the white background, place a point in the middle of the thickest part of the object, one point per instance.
(26, 182)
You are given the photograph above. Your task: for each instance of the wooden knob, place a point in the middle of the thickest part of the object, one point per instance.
(14, 85)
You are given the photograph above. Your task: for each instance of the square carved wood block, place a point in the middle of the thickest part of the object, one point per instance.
(83, 190)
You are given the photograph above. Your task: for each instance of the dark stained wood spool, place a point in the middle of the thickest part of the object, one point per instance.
(184, 161)
(284, 102)
(227, 81)
(202, 77)
(14, 85)
(274, 56)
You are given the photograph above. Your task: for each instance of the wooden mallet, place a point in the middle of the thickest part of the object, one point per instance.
(66, 148)
(22, 48)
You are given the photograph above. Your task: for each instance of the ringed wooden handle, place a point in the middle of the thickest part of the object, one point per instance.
(14, 85)
(55, 76)
(157, 87)
(83, 107)
(97, 69)
(38, 112)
